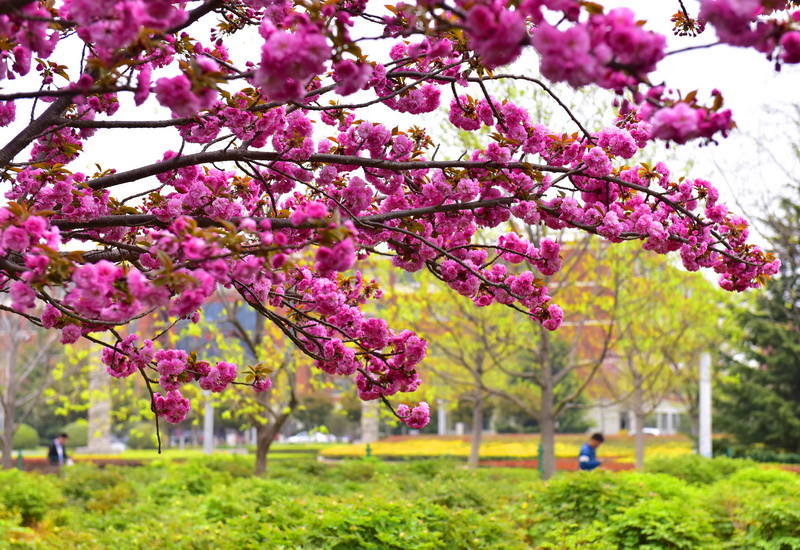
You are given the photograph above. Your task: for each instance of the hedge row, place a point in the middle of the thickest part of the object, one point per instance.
(687, 502)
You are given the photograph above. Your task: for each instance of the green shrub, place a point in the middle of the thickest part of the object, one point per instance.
(368, 522)
(29, 495)
(658, 524)
(78, 433)
(697, 469)
(83, 481)
(355, 470)
(785, 481)
(583, 497)
(768, 524)
(192, 478)
(457, 494)
(234, 465)
(26, 437)
(143, 436)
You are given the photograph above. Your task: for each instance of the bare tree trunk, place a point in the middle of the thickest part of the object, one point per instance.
(477, 432)
(265, 435)
(266, 432)
(638, 413)
(547, 427)
(9, 400)
(8, 437)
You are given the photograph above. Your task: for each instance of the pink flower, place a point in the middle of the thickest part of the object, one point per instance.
(70, 334)
(790, 42)
(23, 296)
(262, 385)
(171, 361)
(497, 37)
(340, 257)
(8, 112)
(556, 315)
(174, 407)
(288, 60)
(678, 123)
(143, 85)
(416, 418)
(218, 377)
(16, 238)
(351, 76)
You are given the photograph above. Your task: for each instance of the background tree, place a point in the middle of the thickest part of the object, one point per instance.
(668, 319)
(760, 401)
(28, 359)
(234, 333)
(489, 352)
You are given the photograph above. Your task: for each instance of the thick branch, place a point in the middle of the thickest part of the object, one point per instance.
(232, 155)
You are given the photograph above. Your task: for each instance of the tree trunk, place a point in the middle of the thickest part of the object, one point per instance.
(8, 439)
(9, 399)
(265, 435)
(638, 413)
(547, 426)
(477, 432)
(266, 432)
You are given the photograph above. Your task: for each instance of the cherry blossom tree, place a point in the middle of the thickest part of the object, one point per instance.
(285, 171)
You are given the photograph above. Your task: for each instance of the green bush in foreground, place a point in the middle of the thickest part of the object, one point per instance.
(28, 496)
(213, 503)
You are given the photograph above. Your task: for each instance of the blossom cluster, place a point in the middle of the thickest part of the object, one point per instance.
(279, 188)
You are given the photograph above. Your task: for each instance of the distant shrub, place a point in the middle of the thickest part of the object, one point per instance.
(697, 469)
(235, 465)
(26, 437)
(78, 433)
(143, 436)
(83, 481)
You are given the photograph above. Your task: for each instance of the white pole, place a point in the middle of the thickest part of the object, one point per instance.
(208, 425)
(705, 405)
(442, 417)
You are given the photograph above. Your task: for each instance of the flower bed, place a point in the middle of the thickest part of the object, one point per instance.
(620, 449)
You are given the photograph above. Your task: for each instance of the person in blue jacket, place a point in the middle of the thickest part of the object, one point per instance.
(587, 460)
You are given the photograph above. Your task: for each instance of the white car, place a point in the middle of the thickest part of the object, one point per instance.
(315, 437)
(647, 431)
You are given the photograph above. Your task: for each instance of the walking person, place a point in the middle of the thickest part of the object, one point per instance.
(587, 460)
(57, 452)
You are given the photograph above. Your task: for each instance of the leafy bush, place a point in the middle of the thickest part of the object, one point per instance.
(78, 433)
(84, 481)
(29, 495)
(26, 437)
(583, 497)
(658, 524)
(234, 465)
(143, 436)
(772, 524)
(213, 502)
(697, 469)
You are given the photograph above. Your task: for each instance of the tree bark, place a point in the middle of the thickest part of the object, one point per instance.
(547, 427)
(477, 432)
(266, 432)
(10, 398)
(8, 438)
(638, 413)
(547, 414)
